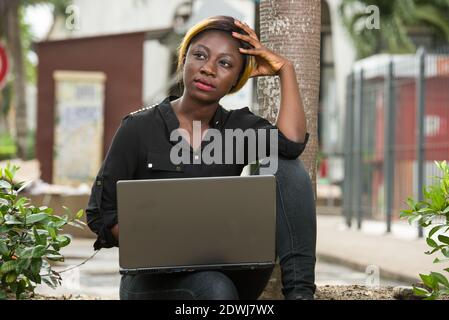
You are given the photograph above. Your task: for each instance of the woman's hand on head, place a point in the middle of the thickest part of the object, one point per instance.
(268, 63)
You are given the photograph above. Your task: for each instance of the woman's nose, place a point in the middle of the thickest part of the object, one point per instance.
(208, 68)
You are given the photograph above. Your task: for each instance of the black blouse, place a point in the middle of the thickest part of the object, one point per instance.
(141, 148)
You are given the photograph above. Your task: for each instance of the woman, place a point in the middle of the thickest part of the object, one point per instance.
(216, 57)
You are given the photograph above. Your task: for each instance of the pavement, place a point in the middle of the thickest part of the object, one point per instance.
(398, 256)
(345, 257)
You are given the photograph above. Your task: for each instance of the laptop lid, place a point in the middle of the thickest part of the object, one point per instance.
(169, 225)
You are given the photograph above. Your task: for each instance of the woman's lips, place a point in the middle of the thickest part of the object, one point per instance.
(203, 86)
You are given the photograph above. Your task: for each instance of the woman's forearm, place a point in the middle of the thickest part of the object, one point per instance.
(291, 119)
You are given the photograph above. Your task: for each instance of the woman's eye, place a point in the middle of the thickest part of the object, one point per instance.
(226, 64)
(199, 54)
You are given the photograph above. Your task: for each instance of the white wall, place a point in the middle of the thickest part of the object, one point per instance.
(156, 69)
(102, 17)
(344, 58)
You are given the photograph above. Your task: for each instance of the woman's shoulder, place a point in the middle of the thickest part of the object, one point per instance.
(142, 112)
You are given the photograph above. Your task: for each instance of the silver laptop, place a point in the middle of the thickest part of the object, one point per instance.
(189, 224)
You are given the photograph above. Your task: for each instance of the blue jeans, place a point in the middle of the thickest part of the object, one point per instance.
(295, 247)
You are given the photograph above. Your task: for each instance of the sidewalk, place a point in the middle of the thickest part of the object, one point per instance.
(399, 255)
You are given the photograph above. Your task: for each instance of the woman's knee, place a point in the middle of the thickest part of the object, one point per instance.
(214, 285)
(292, 170)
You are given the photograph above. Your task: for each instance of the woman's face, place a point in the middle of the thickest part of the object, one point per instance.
(212, 66)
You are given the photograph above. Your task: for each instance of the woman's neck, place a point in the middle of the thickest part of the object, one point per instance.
(190, 110)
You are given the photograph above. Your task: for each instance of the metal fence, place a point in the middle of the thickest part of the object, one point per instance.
(396, 126)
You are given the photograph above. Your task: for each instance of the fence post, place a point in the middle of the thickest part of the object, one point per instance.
(358, 128)
(420, 125)
(389, 142)
(349, 151)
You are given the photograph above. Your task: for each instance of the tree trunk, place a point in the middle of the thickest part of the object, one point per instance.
(292, 29)
(14, 45)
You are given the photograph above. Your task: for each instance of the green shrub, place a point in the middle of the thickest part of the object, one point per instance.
(29, 239)
(8, 147)
(433, 212)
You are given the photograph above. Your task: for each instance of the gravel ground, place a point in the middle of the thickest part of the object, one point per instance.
(327, 292)
(354, 292)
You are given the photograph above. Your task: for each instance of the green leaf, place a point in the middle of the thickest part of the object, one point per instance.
(8, 266)
(36, 265)
(79, 214)
(52, 232)
(411, 203)
(8, 174)
(431, 243)
(415, 219)
(440, 278)
(433, 251)
(421, 292)
(4, 184)
(22, 284)
(438, 260)
(40, 239)
(21, 202)
(432, 296)
(49, 283)
(11, 220)
(3, 248)
(63, 241)
(443, 239)
(36, 278)
(31, 219)
(424, 210)
(405, 214)
(60, 224)
(444, 292)
(11, 277)
(77, 223)
(445, 252)
(429, 281)
(22, 264)
(56, 246)
(55, 257)
(27, 253)
(434, 229)
(38, 251)
(46, 209)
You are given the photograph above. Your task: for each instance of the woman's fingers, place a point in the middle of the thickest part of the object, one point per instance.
(247, 28)
(255, 43)
(250, 51)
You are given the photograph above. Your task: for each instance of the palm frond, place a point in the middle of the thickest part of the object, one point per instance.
(433, 17)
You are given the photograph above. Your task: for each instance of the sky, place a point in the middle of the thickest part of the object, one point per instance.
(40, 18)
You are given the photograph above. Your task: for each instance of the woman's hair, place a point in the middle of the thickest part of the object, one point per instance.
(222, 23)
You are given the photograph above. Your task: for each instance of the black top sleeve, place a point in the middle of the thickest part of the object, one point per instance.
(120, 163)
(286, 147)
